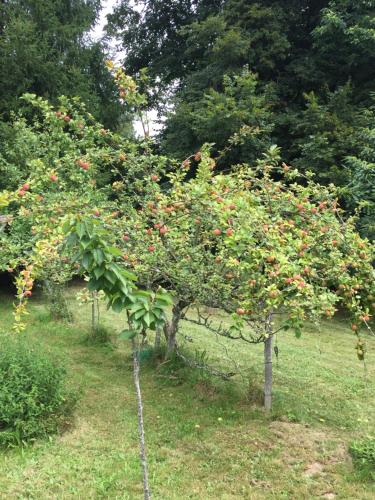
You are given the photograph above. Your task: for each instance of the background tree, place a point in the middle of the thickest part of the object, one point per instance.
(360, 190)
(45, 48)
(316, 56)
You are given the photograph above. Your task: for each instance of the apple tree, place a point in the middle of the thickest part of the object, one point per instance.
(69, 164)
(98, 258)
(271, 248)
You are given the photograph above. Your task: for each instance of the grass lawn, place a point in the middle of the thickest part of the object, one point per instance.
(206, 438)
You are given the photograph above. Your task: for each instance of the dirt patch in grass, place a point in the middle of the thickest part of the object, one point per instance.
(82, 430)
(324, 445)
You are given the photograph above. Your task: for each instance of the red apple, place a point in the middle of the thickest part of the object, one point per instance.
(53, 177)
(154, 178)
(151, 248)
(217, 232)
(163, 230)
(67, 118)
(241, 311)
(83, 164)
(125, 237)
(26, 186)
(229, 231)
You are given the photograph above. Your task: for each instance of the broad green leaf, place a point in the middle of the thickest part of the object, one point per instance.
(99, 271)
(127, 334)
(114, 251)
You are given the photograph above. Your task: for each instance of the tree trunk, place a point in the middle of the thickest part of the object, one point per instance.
(171, 327)
(141, 431)
(268, 373)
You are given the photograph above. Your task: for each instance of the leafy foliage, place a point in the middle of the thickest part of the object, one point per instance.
(312, 61)
(45, 49)
(33, 394)
(98, 261)
(251, 245)
(363, 453)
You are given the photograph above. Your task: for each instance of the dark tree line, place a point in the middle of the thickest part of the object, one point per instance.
(249, 73)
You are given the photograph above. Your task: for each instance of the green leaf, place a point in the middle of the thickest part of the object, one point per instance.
(139, 314)
(114, 251)
(127, 335)
(110, 277)
(99, 271)
(117, 305)
(164, 297)
(87, 260)
(148, 318)
(80, 229)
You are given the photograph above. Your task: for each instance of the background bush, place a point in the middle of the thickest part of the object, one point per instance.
(33, 394)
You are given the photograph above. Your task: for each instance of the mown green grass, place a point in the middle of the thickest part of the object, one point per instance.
(206, 438)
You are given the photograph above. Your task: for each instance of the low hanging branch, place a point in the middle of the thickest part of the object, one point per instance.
(219, 330)
(205, 367)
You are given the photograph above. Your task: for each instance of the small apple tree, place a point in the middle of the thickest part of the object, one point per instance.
(144, 310)
(272, 252)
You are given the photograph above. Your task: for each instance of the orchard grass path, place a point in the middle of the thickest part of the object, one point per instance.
(206, 438)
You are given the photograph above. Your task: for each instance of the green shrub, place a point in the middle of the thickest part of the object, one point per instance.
(33, 395)
(363, 454)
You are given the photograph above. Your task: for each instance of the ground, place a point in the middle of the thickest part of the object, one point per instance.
(206, 438)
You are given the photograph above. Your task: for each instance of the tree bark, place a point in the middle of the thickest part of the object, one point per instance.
(141, 431)
(268, 366)
(171, 327)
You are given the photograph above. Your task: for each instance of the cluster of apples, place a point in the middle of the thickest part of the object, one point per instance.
(24, 189)
(66, 118)
(85, 165)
